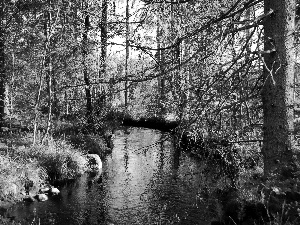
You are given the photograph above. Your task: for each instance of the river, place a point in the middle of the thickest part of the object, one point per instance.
(144, 181)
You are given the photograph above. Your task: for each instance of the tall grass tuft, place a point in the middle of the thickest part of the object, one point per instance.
(59, 160)
(18, 175)
(25, 169)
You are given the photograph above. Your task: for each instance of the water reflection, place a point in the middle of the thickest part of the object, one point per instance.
(144, 181)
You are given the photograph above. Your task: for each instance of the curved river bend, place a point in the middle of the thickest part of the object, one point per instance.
(144, 181)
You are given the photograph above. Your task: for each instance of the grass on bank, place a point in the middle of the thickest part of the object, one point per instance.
(25, 168)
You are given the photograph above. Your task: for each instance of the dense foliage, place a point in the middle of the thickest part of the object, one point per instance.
(76, 66)
(193, 59)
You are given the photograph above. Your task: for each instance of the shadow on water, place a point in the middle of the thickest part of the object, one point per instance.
(144, 181)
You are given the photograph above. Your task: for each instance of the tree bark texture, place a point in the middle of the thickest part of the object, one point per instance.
(160, 67)
(278, 89)
(103, 38)
(88, 95)
(126, 91)
(2, 63)
(48, 70)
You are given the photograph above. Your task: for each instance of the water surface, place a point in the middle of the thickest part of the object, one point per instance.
(144, 181)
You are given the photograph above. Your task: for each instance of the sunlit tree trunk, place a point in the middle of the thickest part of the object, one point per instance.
(176, 81)
(126, 55)
(88, 97)
(160, 68)
(10, 92)
(37, 104)
(48, 70)
(277, 94)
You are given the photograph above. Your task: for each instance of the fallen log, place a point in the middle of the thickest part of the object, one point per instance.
(151, 123)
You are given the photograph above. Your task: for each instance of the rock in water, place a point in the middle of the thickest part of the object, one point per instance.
(54, 191)
(94, 162)
(44, 190)
(41, 197)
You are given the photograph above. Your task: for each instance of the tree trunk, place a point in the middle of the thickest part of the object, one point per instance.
(88, 96)
(278, 90)
(48, 71)
(102, 72)
(160, 68)
(2, 64)
(37, 104)
(126, 54)
(103, 38)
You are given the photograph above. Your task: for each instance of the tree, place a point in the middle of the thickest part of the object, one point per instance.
(2, 61)
(126, 91)
(48, 66)
(103, 37)
(160, 61)
(278, 90)
(89, 109)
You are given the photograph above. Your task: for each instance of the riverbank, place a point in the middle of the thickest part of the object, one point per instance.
(245, 197)
(250, 200)
(26, 169)
(140, 169)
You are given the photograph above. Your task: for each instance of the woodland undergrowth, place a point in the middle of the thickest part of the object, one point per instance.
(254, 199)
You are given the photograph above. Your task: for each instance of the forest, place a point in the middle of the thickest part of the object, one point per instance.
(219, 76)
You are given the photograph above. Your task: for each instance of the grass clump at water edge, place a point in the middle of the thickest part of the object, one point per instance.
(60, 160)
(25, 169)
